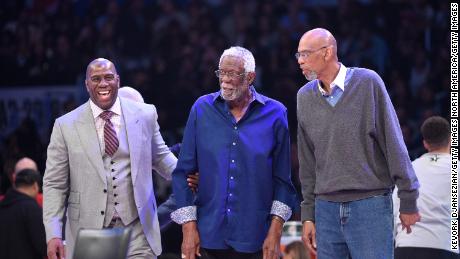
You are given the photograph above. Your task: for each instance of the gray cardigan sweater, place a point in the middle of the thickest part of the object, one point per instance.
(355, 149)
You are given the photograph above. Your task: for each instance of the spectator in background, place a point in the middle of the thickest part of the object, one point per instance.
(238, 140)
(296, 250)
(351, 154)
(27, 163)
(22, 234)
(430, 238)
(24, 163)
(130, 93)
(21, 164)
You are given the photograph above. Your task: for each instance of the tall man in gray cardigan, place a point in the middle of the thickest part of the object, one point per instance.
(351, 154)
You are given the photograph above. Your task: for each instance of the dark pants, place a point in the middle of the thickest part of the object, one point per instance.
(228, 254)
(423, 253)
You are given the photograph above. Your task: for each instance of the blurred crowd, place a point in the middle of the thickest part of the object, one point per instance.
(169, 49)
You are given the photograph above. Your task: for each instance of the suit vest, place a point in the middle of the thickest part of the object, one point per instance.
(120, 196)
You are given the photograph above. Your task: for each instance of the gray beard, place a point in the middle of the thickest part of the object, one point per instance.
(311, 76)
(236, 94)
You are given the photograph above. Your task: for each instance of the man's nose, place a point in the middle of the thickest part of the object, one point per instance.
(300, 60)
(225, 78)
(104, 82)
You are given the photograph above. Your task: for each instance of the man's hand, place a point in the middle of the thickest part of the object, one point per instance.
(271, 247)
(408, 220)
(309, 236)
(191, 240)
(192, 180)
(55, 249)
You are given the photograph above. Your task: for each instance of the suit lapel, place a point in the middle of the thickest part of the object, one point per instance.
(134, 133)
(86, 130)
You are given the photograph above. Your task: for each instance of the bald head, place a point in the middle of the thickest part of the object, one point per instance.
(318, 38)
(130, 93)
(100, 64)
(317, 56)
(102, 83)
(25, 163)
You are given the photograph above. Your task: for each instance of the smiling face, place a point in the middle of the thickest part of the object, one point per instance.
(102, 83)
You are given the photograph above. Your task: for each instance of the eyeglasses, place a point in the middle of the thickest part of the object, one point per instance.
(231, 74)
(306, 53)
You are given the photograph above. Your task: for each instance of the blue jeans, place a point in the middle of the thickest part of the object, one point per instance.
(362, 229)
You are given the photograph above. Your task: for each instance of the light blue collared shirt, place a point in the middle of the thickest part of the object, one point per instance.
(337, 87)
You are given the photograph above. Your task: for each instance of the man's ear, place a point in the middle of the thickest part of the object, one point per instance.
(327, 54)
(251, 77)
(426, 145)
(86, 85)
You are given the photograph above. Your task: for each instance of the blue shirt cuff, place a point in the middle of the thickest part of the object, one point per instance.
(281, 210)
(184, 214)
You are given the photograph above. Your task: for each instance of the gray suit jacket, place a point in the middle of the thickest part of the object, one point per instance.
(74, 169)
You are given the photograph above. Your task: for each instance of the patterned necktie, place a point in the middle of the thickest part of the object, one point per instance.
(110, 136)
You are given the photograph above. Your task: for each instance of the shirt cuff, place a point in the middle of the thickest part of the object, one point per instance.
(281, 210)
(184, 214)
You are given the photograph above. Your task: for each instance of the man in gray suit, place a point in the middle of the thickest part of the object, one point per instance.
(100, 155)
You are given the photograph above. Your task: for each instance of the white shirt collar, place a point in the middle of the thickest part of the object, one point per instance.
(116, 108)
(338, 81)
